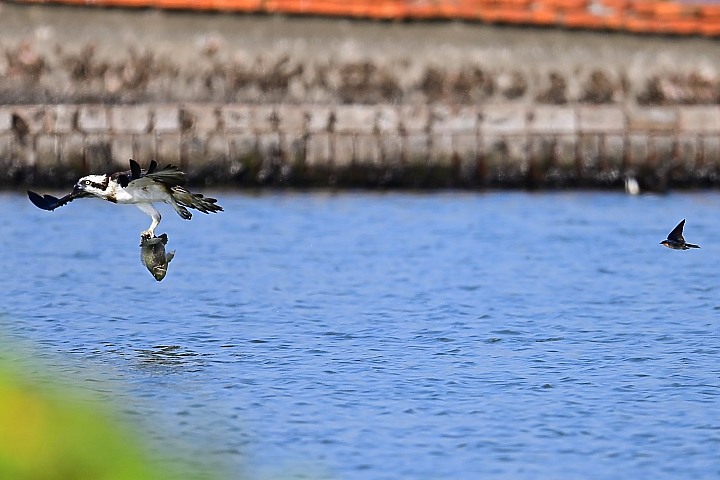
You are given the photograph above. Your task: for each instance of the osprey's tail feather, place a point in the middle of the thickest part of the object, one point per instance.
(185, 198)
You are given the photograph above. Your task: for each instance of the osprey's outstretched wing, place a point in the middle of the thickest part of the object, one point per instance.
(48, 202)
(170, 176)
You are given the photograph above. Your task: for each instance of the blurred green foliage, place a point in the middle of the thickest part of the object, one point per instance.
(51, 434)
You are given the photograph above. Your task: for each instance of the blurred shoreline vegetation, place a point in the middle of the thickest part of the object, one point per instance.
(50, 431)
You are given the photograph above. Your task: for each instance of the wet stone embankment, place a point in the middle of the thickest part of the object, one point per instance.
(434, 146)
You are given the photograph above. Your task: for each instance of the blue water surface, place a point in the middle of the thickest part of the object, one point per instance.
(389, 336)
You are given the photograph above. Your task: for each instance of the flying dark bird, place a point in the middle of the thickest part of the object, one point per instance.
(139, 187)
(675, 239)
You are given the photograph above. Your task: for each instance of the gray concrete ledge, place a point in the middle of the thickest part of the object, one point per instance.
(367, 146)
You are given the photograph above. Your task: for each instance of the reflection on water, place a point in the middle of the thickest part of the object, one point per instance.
(166, 355)
(363, 336)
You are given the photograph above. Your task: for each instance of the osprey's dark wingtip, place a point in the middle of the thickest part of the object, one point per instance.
(135, 170)
(45, 202)
(48, 202)
(123, 180)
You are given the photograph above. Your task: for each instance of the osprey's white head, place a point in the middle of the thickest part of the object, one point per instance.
(94, 185)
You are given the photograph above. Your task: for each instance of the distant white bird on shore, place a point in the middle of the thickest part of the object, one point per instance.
(631, 185)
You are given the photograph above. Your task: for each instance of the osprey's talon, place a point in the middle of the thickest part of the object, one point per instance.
(144, 236)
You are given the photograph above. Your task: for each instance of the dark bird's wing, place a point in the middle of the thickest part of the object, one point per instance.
(677, 233)
(48, 202)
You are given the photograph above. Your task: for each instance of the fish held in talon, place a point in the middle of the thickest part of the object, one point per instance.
(153, 255)
(675, 239)
(139, 187)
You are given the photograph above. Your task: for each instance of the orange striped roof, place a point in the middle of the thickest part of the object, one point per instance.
(637, 16)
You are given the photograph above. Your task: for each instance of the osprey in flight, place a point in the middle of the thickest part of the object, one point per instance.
(139, 187)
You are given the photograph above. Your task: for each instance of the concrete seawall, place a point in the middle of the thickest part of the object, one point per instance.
(368, 145)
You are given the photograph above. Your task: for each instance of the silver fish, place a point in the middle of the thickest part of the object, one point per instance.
(153, 256)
